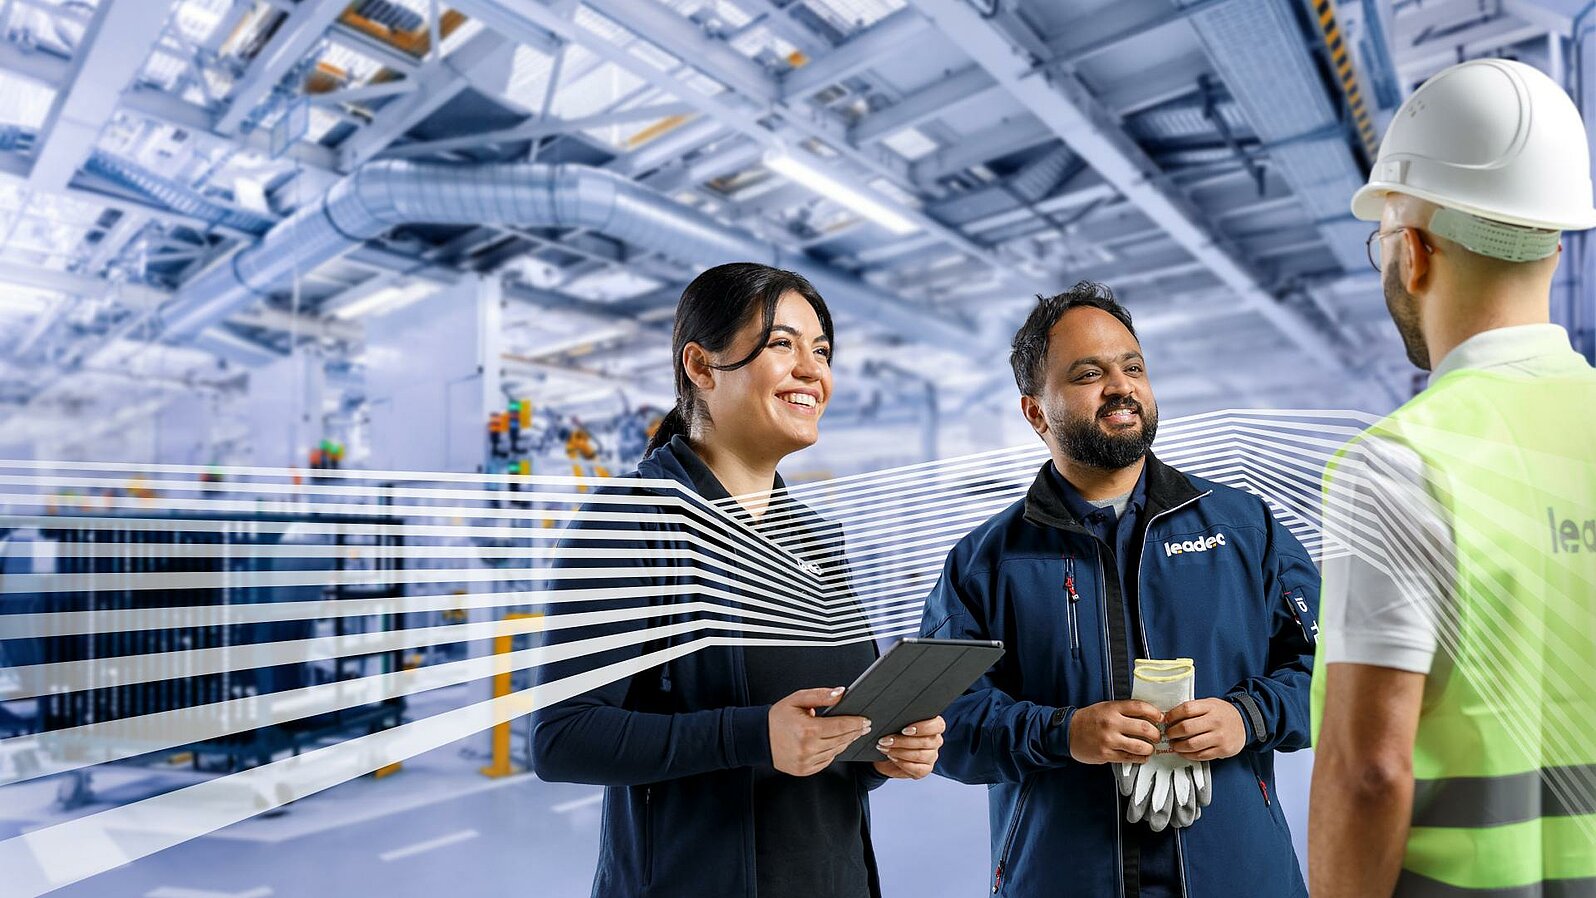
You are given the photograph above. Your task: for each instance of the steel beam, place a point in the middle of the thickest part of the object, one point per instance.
(1008, 136)
(76, 284)
(154, 104)
(390, 56)
(791, 122)
(935, 100)
(535, 128)
(365, 94)
(1415, 63)
(1063, 103)
(114, 47)
(858, 53)
(294, 38)
(437, 85)
(663, 27)
(1556, 16)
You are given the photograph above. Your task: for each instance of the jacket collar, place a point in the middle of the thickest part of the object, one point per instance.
(1045, 504)
(677, 461)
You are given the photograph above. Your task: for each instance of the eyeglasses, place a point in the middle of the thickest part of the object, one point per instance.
(1371, 245)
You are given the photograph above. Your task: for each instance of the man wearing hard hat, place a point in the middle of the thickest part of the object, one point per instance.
(1454, 694)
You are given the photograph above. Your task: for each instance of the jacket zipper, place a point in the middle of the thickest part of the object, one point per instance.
(1008, 840)
(648, 835)
(1108, 658)
(1075, 598)
(1141, 556)
(1141, 623)
(1180, 861)
(1263, 787)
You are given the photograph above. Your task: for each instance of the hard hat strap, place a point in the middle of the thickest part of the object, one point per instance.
(1498, 240)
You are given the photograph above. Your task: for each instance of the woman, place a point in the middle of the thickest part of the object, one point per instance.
(720, 775)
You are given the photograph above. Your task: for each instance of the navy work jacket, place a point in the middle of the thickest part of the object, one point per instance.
(676, 743)
(1217, 579)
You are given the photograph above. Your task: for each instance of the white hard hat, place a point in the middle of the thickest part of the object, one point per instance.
(1490, 137)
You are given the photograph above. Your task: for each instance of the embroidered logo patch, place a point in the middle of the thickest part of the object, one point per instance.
(1201, 544)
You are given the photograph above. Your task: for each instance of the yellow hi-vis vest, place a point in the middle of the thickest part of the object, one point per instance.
(1505, 758)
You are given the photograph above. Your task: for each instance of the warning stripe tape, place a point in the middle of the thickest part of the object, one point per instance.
(1341, 59)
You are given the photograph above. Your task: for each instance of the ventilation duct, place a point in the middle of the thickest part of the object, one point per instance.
(382, 195)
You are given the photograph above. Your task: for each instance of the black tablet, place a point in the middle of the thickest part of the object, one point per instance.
(914, 680)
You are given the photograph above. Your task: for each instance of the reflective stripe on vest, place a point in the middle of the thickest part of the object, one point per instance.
(1505, 757)
(1476, 801)
(1416, 886)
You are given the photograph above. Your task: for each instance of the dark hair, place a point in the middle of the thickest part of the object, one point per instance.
(713, 308)
(1028, 356)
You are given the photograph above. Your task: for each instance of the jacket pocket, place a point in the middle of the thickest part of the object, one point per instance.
(1297, 601)
(1008, 838)
(1270, 801)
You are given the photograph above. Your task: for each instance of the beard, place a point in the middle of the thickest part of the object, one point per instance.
(1404, 311)
(1082, 438)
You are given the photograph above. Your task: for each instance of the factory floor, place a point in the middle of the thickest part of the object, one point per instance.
(438, 827)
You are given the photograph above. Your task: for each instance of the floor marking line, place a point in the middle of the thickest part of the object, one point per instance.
(464, 835)
(175, 892)
(565, 807)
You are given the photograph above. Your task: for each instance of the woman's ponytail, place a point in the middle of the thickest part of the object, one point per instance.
(672, 425)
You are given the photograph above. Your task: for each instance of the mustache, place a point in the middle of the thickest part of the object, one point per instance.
(1114, 405)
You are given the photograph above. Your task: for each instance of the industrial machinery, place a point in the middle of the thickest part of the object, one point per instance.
(78, 543)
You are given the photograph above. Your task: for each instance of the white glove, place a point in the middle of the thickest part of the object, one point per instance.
(1166, 788)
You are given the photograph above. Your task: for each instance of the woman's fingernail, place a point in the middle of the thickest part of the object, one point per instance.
(908, 731)
(867, 726)
(885, 742)
(838, 691)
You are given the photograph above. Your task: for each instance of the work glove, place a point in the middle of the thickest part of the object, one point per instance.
(1166, 788)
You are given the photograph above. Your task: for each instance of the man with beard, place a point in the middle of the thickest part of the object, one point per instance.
(1454, 697)
(1113, 556)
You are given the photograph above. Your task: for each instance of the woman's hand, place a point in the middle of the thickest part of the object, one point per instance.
(912, 754)
(802, 743)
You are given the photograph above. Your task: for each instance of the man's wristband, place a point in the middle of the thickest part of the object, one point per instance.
(1251, 715)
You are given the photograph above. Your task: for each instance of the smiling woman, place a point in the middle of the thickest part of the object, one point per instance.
(752, 349)
(722, 780)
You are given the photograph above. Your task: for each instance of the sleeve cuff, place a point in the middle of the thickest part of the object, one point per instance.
(748, 736)
(1251, 716)
(872, 778)
(1056, 739)
(1380, 651)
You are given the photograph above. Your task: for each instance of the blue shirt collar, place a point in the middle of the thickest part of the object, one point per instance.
(1082, 509)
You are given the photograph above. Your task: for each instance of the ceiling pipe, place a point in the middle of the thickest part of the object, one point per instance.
(382, 195)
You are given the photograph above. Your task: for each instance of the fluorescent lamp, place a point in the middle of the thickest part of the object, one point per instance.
(384, 300)
(859, 199)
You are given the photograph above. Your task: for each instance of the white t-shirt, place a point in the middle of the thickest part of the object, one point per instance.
(1384, 599)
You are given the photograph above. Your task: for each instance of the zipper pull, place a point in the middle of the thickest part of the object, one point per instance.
(1264, 788)
(997, 881)
(1069, 579)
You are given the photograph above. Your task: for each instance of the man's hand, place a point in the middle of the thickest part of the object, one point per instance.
(802, 743)
(1206, 729)
(911, 754)
(1123, 731)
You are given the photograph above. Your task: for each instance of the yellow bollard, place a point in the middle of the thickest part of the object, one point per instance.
(502, 647)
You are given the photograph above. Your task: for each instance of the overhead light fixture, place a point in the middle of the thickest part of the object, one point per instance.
(383, 300)
(858, 199)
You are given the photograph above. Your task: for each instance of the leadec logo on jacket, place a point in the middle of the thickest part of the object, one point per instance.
(1201, 544)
